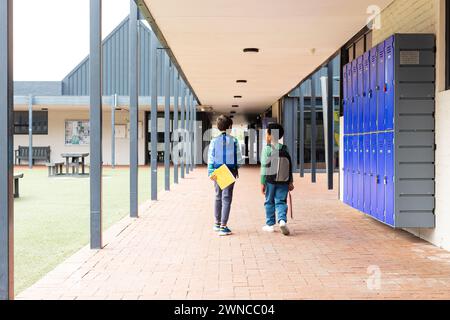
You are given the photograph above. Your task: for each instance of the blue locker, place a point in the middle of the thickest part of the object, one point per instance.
(344, 101)
(381, 173)
(345, 168)
(361, 173)
(367, 178)
(390, 84)
(349, 98)
(389, 180)
(355, 177)
(360, 103)
(355, 98)
(373, 90)
(350, 170)
(381, 87)
(366, 95)
(373, 174)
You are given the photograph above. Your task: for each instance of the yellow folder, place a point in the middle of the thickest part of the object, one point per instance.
(224, 177)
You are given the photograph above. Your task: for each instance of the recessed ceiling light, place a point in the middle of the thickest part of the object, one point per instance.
(235, 106)
(251, 50)
(241, 81)
(238, 97)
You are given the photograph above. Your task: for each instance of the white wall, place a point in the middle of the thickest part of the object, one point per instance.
(56, 131)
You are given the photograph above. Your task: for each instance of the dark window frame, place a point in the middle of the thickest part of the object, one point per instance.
(40, 123)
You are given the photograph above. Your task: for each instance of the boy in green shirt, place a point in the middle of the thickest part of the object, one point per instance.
(276, 178)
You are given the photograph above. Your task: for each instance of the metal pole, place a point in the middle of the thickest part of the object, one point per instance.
(192, 132)
(196, 128)
(330, 126)
(134, 107)
(30, 131)
(95, 60)
(6, 152)
(154, 118)
(167, 74)
(113, 130)
(302, 132)
(188, 132)
(183, 135)
(313, 129)
(175, 136)
(294, 115)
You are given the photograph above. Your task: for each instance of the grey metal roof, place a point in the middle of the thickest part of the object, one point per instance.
(115, 65)
(43, 88)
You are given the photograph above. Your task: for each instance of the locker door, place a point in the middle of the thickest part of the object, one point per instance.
(360, 105)
(361, 173)
(345, 167)
(367, 177)
(355, 181)
(355, 97)
(381, 164)
(373, 174)
(350, 170)
(390, 84)
(344, 99)
(366, 92)
(373, 90)
(380, 88)
(389, 181)
(350, 98)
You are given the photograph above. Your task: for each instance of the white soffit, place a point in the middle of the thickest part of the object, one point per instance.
(207, 38)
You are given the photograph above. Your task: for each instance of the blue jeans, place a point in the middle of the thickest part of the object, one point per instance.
(276, 201)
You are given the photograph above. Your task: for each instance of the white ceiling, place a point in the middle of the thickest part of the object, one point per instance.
(207, 38)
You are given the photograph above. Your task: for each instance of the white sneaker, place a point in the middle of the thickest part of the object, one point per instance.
(284, 229)
(270, 229)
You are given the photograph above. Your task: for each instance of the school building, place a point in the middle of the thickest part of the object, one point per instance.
(361, 88)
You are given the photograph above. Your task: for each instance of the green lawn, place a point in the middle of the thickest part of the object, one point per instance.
(51, 217)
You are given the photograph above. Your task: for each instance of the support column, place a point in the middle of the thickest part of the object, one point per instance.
(175, 134)
(188, 132)
(134, 107)
(302, 132)
(95, 60)
(193, 126)
(167, 75)
(6, 152)
(196, 128)
(154, 118)
(30, 131)
(313, 129)
(183, 133)
(113, 130)
(330, 126)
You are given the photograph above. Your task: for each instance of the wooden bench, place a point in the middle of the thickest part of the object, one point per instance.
(55, 168)
(75, 167)
(17, 177)
(39, 154)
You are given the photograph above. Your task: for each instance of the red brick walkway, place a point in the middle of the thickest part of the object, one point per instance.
(171, 252)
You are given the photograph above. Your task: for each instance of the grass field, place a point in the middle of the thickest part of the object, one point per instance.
(51, 217)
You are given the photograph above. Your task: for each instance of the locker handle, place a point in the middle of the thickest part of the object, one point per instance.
(385, 87)
(370, 94)
(385, 180)
(377, 179)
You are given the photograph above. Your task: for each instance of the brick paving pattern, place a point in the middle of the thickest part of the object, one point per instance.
(171, 252)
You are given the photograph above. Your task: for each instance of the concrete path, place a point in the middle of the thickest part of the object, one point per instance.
(171, 252)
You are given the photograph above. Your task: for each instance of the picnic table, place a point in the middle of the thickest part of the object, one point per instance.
(17, 177)
(75, 158)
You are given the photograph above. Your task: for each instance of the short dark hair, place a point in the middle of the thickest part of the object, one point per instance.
(275, 127)
(224, 123)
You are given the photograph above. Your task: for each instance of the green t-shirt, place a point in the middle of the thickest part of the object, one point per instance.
(265, 158)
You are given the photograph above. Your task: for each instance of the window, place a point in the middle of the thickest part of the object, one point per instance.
(40, 122)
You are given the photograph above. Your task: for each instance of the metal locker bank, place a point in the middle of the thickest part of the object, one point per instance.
(389, 131)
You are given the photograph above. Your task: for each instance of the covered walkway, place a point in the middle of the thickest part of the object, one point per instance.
(171, 252)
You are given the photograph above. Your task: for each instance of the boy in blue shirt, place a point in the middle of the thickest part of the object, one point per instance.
(224, 149)
(276, 178)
